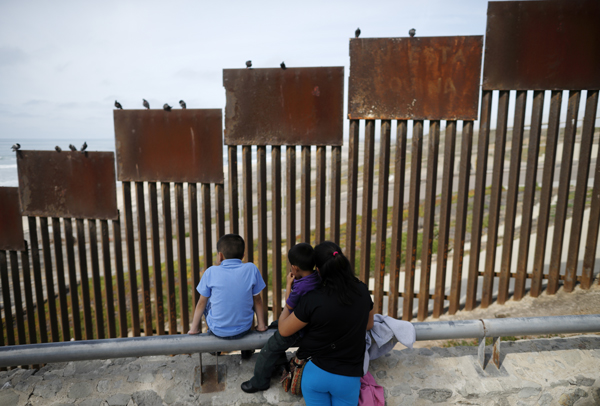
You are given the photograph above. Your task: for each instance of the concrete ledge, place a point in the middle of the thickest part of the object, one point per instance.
(556, 371)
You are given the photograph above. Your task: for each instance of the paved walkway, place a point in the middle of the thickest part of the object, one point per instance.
(555, 371)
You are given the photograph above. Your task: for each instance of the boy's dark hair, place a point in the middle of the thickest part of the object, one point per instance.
(303, 256)
(231, 246)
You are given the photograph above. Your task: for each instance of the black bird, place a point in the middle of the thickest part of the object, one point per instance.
(72, 147)
(118, 105)
(146, 104)
(412, 32)
(248, 64)
(166, 107)
(16, 147)
(357, 33)
(58, 149)
(84, 146)
(282, 64)
(182, 104)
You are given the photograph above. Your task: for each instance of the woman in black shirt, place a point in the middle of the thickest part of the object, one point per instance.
(336, 317)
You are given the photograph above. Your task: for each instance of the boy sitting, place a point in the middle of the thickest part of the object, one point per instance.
(228, 292)
(301, 280)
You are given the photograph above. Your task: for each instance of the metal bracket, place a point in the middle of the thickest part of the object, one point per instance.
(495, 350)
(210, 378)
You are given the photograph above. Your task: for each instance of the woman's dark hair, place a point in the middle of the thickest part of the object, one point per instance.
(336, 272)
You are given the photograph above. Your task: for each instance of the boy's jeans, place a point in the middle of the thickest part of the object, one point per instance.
(270, 357)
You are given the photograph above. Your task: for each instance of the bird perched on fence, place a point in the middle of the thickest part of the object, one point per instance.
(16, 147)
(72, 147)
(84, 146)
(118, 105)
(182, 104)
(357, 33)
(58, 149)
(166, 107)
(146, 104)
(412, 32)
(282, 64)
(248, 64)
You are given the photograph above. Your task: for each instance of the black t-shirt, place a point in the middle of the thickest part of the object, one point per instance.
(335, 334)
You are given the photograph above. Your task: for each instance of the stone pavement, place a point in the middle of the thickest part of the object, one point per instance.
(554, 371)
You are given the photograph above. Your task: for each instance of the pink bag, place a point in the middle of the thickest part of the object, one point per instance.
(371, 394)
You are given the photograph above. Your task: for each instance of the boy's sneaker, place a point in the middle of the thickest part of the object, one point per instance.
(247, 354)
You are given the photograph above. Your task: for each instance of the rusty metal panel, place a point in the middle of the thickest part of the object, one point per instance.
(11, 222)
(542, 45)
(293, 106)
(429, 78)
(169, 146)
(67, 184)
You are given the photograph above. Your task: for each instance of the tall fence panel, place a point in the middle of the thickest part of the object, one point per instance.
(171, 147)
(284, 107)
(407, 79)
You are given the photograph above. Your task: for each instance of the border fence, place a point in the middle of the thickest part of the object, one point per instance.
(426, 224)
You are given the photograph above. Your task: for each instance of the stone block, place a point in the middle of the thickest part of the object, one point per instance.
(147, 398)
(120, 399)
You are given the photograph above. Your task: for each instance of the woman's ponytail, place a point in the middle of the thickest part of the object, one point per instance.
(336, 272)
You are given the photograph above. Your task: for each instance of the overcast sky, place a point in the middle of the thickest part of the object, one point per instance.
(63, 63)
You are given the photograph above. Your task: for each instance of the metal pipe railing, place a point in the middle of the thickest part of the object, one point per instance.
(32, 354)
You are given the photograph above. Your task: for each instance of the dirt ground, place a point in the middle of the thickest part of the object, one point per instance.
(580, 301)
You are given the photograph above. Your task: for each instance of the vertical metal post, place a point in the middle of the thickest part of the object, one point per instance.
(108, 280)
(247, 197)
(564, 182)
(351, 193)
(461, 215)
(533, 151)
(336, 194)
(168, 242)
(261, 158)
(131, 267)
(382, 206)
(305, 196)
(367, 202)
(118, 249)
(512, 196)
(546, 193)
(479, 199)
(429, 220)
(276, 230)
(143, 247)
(8, 318)
(181, 257)
(206, 227)
(583, 170)
(397, 217)
(233, 191)
(49, 279)
(445, 216)
(320, 194)
(28, 295)
(220, 209)
(416, 154)
(290, 197)
(37, 277)
(495, 200)
(194, 240)
(60, 280)
(73, 289)
(156, 261)
(98, 309)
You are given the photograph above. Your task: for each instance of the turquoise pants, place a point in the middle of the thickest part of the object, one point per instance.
(324, 388)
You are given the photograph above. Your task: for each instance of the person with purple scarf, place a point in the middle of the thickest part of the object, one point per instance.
(302, 279)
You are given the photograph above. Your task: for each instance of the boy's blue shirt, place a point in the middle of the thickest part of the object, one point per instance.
(230, 288)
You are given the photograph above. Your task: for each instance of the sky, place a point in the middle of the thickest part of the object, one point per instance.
(64, 63)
